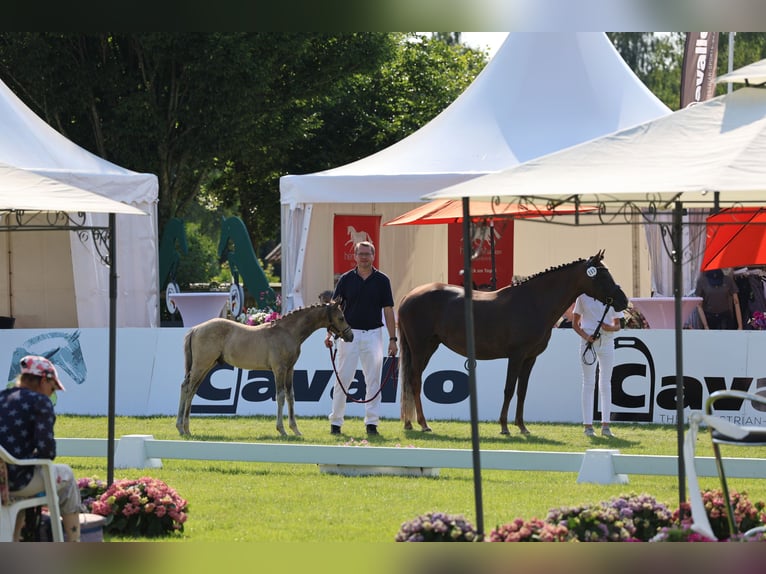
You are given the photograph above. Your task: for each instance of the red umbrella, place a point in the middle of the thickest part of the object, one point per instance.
(735, 237)
(451, 211)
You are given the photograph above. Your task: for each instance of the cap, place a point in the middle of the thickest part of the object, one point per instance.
(42, 367)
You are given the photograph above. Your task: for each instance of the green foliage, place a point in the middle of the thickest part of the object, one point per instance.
(219, 117)
(200, 264)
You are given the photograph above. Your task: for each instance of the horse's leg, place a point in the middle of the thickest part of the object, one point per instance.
(281, 382)
(289, 392)
(526, 371)
(192, 381)
(414, 361)
(182, 407)
(512, 373)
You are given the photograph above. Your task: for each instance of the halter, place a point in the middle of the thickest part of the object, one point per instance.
(591, 272)
(596, 334)
(335, 332)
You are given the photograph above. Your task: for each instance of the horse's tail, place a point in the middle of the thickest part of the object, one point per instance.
(407, 400)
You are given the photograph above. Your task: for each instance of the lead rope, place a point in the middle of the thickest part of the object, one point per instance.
(391, 366)
(596, 335)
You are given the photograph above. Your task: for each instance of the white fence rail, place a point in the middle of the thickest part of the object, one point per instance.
(594, 465)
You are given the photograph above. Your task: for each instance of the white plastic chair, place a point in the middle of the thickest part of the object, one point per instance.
(749, 436)
(49, 497)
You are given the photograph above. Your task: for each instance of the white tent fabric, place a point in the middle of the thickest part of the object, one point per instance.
(540, 93)
(717, 145)
(28, 191)
(752, 74)
(30, 144)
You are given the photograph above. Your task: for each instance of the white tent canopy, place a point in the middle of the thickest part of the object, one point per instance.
(754, 73)
(31, 145)
(709, 154)
(26, 191)
(540, 93)
(716, 146)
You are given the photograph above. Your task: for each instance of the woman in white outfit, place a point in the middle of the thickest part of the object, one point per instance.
(588, 312)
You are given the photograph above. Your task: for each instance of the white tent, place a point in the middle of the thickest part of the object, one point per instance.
(75, 292)
(540, 93)
(715, 146)
(709, 155)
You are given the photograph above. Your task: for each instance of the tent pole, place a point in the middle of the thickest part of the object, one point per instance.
(493, 280)
(471, 366)
(112, 348)
(677, 293)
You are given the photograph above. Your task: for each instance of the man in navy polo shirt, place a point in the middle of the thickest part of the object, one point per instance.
(366, 297)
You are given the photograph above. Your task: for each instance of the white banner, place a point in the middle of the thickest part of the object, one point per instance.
(150, 368)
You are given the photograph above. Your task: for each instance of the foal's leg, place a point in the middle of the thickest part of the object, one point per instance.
(182, 406)
(526, 370)
(289, 392)
(189, 387)
(281, 382)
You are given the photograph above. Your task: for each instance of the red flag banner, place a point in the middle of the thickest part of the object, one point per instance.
(699, 68)
(348, 230)
(481, 267)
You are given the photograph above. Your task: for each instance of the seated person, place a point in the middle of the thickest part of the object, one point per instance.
(29, 406)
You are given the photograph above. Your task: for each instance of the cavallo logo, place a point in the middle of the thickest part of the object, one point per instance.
(259, 386)
(639, 392)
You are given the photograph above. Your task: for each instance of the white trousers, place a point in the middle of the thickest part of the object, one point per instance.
(604, 360)
(367, 349)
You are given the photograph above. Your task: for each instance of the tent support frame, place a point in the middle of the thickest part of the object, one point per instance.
(104, 244)
(621, 212)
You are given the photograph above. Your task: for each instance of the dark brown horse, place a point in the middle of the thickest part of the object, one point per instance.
(513, 322)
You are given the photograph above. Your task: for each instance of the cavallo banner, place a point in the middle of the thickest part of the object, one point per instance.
(348, 230)
(699, 67)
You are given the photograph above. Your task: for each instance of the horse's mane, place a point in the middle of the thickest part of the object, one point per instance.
(297, 311)
(516, 283)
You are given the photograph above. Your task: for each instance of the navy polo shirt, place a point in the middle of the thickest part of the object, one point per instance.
(364, 299)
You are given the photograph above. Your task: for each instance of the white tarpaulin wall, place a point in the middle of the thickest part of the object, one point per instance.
(542, 92)
(55, 283)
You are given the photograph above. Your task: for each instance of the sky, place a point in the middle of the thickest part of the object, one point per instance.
(480, 40)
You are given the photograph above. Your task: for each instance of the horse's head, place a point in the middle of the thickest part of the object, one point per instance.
(337, 322)
(600, 284)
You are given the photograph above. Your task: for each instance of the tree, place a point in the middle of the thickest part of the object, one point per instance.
(219, 117)
(656, 59)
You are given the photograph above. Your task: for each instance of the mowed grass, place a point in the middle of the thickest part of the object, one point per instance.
(270, 502)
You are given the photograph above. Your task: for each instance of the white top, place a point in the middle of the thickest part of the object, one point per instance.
(590, 311)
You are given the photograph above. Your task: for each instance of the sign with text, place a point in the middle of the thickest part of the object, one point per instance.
(348, 230)
(150, 367)
(481, 267)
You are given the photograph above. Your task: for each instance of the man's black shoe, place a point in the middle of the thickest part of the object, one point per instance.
(372, 430)
(334, 429)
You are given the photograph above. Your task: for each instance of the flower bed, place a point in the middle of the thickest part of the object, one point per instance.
(625, 518)
(143, 507)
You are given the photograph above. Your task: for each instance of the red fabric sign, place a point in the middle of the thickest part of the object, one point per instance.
(482, 264)
(348, 230)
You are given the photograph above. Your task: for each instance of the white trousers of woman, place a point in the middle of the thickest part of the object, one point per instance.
(604, 361)
(367, 349)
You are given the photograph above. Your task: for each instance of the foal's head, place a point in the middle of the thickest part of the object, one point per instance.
(600, 284)
(337, 322)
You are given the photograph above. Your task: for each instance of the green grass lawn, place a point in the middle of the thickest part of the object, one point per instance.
(269, 502)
